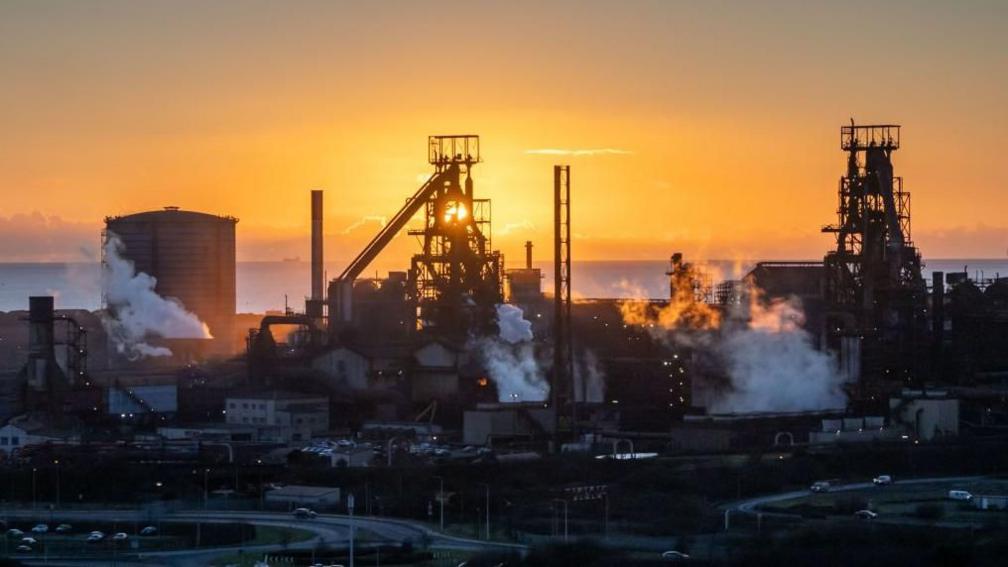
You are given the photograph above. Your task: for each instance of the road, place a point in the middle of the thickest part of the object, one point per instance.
(331, 530)
(751, 505)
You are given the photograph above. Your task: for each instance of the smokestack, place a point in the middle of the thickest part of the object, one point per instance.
(528, 254)
(40, 321)
(316, 245)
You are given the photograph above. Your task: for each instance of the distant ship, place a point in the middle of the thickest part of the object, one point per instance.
(294, 259)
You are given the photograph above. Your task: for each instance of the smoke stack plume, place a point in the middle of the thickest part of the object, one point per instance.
(316, 245)
(136, 311)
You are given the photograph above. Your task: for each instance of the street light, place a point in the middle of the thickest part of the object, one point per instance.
(34, 497)
(350, 507)
(441, 499)
(57, 463)
(564, 501)
(486, 507)
(206, 494)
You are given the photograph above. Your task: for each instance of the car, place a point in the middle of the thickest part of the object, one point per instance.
(305, 513)
(148, 531)
(674, 556)
(40, 529)
(865, 515)
(961, 495)
(63, 528)
(820, 486)
(120, 536)
(14, 532)
(29, 540)
(24, 549)
(882, 480)
(94, 538)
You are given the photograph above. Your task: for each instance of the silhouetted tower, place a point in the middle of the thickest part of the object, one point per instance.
(562, 388)
(874, 287)
(456, 281)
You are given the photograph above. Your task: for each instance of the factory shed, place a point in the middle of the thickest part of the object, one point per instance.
(436, 371)
(362, 367)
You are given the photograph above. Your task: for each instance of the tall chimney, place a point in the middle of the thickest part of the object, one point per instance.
(41, 357)
(316, 245)
(528, 254)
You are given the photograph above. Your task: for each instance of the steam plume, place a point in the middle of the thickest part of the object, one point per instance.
(510, 359)
(137, 312)
(767, 355)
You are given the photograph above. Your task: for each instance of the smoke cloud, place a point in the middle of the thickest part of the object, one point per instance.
(768, 357)
(510, 359)
(774, 367)
(137, 312)
(589, 379)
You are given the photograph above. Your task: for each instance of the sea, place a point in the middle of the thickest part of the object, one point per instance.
(266, 286)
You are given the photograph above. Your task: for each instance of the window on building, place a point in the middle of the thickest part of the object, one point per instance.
(245, 405)
(15, 440)
(3, 440)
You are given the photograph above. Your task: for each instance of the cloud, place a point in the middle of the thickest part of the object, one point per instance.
(380, 219)
(36, 237)
(578, 152)
(508, 228)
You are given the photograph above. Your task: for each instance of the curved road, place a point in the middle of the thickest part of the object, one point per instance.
(327, 529)
(751, 505)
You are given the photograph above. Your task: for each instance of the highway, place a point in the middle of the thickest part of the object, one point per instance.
(751, 505)
(329, 530)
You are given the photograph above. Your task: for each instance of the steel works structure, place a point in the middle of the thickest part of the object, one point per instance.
(456, 280)
(874, 291)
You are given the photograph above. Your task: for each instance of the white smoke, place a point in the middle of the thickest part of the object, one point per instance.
(137, 312)
(773, 365)
(510, 359)
(589, 379)
(512, 325)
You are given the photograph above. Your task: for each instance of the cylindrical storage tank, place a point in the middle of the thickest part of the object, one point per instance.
(192, 256)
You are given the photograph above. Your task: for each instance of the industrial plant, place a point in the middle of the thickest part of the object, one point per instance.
(460, 358)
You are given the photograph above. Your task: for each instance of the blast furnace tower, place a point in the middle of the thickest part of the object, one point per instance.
(874, 290)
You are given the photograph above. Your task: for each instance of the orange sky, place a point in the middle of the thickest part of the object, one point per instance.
(726, 118)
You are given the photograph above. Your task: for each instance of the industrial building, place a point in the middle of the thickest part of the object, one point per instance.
(403, 356)
(192, 257)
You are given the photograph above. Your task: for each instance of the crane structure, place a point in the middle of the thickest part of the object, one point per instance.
(456, 280)
(874, 289)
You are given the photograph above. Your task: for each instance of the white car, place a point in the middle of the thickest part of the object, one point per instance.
(305, 513)
(882, 480)
(674, 556)
(960, 495)
(95, 537)
(63, 528)
(29, 540)
(820, 486)
(865, 515)
(23, 549)
(14, 532)
(40, 529)
(148, 531)
(120, 536)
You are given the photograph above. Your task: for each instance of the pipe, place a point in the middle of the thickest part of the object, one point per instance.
(316, 245)
(528, 254)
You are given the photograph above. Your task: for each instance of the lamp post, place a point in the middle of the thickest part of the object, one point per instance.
(206, 493)
(441, 499)
(350, 507)
(564, 502)
(34, 491)
(262, 493)
(57, 463)
(486, 507)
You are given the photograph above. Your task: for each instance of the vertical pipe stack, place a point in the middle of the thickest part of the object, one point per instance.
(316, 245)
